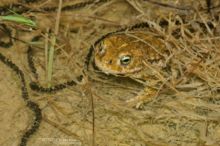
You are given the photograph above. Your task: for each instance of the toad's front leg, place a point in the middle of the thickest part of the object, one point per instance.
(144, 96)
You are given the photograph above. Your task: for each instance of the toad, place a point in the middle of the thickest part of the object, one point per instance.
(137, 55)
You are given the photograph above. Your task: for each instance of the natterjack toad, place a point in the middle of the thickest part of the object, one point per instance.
(136, 55)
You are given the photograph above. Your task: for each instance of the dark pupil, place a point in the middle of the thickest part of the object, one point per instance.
(125, 60)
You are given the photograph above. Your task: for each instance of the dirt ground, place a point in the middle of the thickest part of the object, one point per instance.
(190, 117)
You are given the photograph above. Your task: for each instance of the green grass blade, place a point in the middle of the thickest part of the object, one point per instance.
(19, 19)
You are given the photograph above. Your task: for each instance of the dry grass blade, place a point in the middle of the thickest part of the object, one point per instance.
(52, 46)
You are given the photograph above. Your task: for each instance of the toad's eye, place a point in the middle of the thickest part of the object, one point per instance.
(125, 60)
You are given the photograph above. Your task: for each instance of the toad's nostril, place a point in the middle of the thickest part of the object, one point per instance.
(110, 62)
